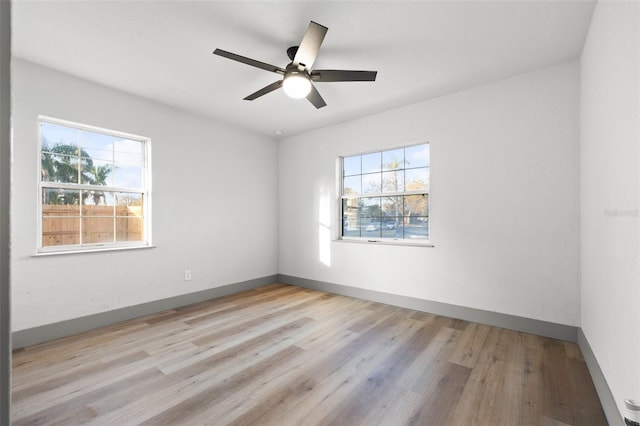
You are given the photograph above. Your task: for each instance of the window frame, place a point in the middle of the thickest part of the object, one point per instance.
(145, 190)
(420, 242)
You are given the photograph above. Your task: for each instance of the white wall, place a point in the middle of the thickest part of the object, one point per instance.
(504, 201)
(213, 208)
(609, 194)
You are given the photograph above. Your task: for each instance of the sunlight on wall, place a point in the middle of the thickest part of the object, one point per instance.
(324, 228)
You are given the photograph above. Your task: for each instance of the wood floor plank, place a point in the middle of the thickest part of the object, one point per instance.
(74, 386)
(87, 369)
(189, 408)
(555, 381)
(382, 378)
(532, 401)
(278, 403)
(67, 352)
(94, 403)
(297, 308)
(396, 408)
(334, 385)
(418, 378)
(483, 396)
(368, 344)
(468, 349)
(285, 355)
(200, 377)
(439, 401)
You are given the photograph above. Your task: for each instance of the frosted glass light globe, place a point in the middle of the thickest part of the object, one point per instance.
(296, 85)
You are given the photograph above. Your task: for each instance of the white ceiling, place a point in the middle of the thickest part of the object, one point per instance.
(162, 50)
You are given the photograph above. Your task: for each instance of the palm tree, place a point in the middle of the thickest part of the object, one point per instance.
(98, 176)
(60, 164)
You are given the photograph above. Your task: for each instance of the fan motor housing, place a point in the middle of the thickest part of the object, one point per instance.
(291, 52)
(295, 69)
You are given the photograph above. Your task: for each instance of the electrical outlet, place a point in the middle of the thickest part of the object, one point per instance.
(187, 274)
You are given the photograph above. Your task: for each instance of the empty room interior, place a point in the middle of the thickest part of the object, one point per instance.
(327, 212)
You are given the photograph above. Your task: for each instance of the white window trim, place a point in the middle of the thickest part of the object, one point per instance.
(377, 241)
(95, 247)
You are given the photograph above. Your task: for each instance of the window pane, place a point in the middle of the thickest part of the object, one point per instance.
(352, 185)
(132, 200)
(59, 167)
(416, 227)
(392, 206)
(97, 145)
(393, 181)
(372, 183)
(351, 207)
(390, 226)
(370, 207)
(129, 146)
(350, 217)
(371, 228)
(47, 172)
(54, 134)
(416, 205)
(97, 230)
(399, 231)
(99, 173)
(128, 176)
(60, 217)
(417, 156)
(128, 151)
(129, 204)
(371, 162)
(60, 202)
(393, 160)
(60, 231)
(417, 179)
(97, 203)
(129, 229)
(351, 165)
(136, 159)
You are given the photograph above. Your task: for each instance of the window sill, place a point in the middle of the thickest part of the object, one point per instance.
(386, 242)
(88, 250)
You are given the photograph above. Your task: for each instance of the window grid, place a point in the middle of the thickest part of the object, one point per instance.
(88, 202)
(385, 195)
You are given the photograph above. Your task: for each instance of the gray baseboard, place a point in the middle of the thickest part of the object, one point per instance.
(52, 331)
(541, 328)
(600, 382)
(48, 332)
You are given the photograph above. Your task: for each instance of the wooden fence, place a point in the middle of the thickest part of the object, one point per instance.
(61, 224)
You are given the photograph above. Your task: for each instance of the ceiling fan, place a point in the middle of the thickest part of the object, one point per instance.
(298, 77)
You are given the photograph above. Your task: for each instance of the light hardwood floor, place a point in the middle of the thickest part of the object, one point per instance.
(285, 355)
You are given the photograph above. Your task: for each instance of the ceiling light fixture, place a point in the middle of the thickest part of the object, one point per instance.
(296, 84)
(298, 76)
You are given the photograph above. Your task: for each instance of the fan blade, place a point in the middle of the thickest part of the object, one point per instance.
(343, 75)
(315, 98)
(310, 45)
(268, 89)
(248, 61)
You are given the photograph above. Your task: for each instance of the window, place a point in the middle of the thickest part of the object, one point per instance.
(94, 188)
(385, 195)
